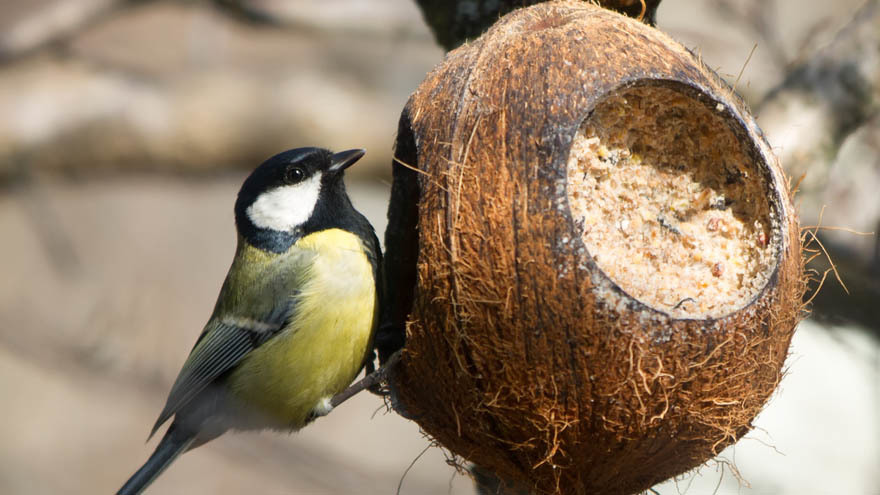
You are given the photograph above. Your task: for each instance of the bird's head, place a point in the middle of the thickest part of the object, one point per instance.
(292, 194)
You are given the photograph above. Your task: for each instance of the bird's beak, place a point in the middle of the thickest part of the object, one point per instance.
(344, 159)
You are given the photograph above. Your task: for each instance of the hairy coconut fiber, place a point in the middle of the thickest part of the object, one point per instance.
(594, 252)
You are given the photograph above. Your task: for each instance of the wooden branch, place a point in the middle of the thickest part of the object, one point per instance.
(368, 382)
(456, 21)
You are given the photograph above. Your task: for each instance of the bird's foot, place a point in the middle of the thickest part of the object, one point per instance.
(323, 407)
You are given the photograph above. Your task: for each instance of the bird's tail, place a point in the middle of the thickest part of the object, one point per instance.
(174, 443)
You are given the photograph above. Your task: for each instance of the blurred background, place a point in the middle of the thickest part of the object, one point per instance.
(128, 127)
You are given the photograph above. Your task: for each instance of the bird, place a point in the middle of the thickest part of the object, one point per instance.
(294, 321)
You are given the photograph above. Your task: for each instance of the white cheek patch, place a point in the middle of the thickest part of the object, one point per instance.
(286, 207)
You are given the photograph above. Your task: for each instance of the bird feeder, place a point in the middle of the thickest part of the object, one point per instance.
(594, 253)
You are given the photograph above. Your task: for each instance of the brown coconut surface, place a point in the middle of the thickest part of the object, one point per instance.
(522, 354)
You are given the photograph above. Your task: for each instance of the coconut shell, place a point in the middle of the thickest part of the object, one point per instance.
(522, 355)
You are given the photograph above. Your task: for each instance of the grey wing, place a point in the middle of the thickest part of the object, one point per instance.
(221, 346)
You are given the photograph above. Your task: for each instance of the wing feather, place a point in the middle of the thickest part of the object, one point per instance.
(222, 345)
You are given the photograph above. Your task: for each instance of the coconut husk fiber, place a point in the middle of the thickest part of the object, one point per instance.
(572, 192)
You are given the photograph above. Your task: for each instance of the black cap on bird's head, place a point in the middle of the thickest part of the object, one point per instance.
(292, 194)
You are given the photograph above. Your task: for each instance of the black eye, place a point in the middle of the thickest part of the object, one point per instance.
(294, 175)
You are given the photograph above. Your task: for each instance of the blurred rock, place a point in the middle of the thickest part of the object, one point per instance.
(26, 26)
(755, 49)
(182, 87)
(823, 122)
(353, 16)
(852, 194)
(187, 87)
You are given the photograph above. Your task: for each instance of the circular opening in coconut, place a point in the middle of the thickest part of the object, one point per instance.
(672, 206)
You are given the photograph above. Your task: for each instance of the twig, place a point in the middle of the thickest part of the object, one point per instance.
(374, 378)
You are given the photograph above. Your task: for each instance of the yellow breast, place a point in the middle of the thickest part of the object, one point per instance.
(324, 345)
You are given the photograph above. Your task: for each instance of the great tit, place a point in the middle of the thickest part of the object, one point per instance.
(295, 318)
